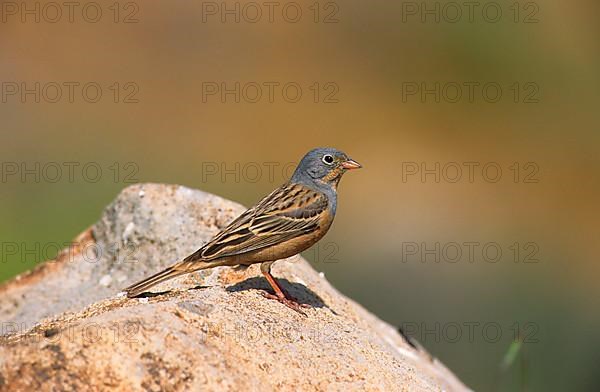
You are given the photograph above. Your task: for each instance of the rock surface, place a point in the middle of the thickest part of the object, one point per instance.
(64, 327)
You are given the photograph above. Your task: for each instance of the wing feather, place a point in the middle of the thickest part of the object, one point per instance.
(288, 212)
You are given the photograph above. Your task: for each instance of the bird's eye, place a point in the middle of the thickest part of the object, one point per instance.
(328, 159)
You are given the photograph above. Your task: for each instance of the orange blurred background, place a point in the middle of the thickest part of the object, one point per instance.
(357, 65)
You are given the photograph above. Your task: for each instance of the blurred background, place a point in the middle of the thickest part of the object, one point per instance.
(475, 217)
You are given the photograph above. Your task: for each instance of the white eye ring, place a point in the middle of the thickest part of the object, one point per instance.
(327, 159)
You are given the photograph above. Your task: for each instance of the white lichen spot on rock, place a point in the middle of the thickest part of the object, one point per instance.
(127, 232)
(105, 280)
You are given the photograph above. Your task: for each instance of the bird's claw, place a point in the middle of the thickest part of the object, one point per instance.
(287, 302)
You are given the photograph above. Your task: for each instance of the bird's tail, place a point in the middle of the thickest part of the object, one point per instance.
(173, 271)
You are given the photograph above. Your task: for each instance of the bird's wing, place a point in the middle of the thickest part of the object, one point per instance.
(288, 212)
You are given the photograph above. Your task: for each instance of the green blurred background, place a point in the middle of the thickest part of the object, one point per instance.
(370, 53)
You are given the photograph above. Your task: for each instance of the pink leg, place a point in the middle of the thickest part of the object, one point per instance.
(280, 294)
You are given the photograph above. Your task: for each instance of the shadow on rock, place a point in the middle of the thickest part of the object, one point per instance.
(297, 291)
(151, 294)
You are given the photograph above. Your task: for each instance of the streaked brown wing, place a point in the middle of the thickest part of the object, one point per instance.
(286, 213)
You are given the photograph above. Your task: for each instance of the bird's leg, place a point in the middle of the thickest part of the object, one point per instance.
(280, 294)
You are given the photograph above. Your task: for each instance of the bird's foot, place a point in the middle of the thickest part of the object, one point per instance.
(290, 303)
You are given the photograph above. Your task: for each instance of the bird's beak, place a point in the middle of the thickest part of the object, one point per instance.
(351, 164)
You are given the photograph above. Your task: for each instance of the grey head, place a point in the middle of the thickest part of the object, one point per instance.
(322, 169)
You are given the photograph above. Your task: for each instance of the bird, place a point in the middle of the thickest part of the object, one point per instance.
(284, 223)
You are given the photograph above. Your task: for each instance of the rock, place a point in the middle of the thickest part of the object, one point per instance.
(65, 327)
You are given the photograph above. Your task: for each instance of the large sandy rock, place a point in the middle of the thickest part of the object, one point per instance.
(64, 327)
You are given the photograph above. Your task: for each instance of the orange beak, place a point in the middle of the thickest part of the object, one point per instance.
(351, 164)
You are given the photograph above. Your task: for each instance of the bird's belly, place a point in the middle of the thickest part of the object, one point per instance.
(283, 250)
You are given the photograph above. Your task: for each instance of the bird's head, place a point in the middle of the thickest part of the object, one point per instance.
(325, 165)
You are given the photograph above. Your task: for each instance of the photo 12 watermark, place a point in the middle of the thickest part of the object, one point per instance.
(270, 92)
(470, 92)
(20, 252)
(68, 172)
(55, 92)
(471, 331)
(470, 172)
(70, 12)
(256, 12)
(249, 172)
(492, 12)
(257, 332)
(452, 252)
(88, 332)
